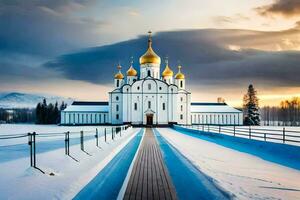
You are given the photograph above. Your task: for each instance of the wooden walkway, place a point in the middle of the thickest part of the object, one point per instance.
(149, 178)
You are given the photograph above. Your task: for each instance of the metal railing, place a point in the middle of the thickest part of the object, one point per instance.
(280, 134)
(32, 140)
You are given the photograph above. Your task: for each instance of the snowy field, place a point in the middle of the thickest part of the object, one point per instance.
(64, 175)
(244, 175)
(268, 133)
(47, 132)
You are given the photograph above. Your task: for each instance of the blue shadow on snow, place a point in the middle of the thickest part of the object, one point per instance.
(13, 152)
(190, 183)
(282, 154)
(108, 182)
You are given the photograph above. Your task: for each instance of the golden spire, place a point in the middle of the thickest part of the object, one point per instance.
(179, 75)
(119, 75)
(150, 39)
(167, 71)
(131, 71)
(150, 56)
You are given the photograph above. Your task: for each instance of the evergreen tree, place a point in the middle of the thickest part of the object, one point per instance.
(56, 114)
(50, 114)
(44, 117)
(38, 112)
(251, 107)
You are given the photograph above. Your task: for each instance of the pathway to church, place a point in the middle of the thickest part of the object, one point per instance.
(150, 178)
(149, 168)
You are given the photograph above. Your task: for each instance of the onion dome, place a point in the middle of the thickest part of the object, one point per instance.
(119, 75)
(179, 75)
(131, 71)
(167, 71)
(150, 56)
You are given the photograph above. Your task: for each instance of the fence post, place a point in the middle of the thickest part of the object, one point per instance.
(249, 132)
(81, 141)
(219, 129)
(202, 127)
(121, 131)
(112, 133)
(283, 136)
(105, 134)
(208, 128)
(66, 143)
(265, 136)
(96, 136)
(34, 150)
(30, 146)
(234, 130)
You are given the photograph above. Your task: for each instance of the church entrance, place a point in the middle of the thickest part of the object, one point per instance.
(149, 118)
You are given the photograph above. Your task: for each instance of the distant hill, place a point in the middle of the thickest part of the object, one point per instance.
(24, 100)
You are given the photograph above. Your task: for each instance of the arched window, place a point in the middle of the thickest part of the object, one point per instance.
(149, 104)
(149, 73)
(181, 107)
(118, 83)
(164, 106)
(149, 86)
(117, 107)
(181, 84)
(117, 116)
(135, 106)
(117, 98)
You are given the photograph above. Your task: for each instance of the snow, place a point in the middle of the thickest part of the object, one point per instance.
(89, 108)
(275, 132)
(69, 177)
(11, 129)
(213, 109)
(243, 174)
(200, 186)
(125, 183)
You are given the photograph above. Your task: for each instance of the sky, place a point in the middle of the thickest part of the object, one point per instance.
(71, 48)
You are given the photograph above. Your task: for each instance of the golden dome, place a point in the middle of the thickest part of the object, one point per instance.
(167, 71)
(131, 71)
(179, 75)
(150, 56)
(119, 75)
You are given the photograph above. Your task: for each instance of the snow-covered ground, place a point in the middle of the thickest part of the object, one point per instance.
(242, 174)
(43, 130)
(272, 133)
(19, 181)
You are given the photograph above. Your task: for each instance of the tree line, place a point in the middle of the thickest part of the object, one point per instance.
(17, 115)
(48, 113)
(285, 114)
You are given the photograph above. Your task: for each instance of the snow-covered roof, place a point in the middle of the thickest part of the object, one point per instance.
(213, 108)
(87, 106)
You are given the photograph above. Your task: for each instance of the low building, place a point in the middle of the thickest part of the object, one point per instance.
(215, 114)
(85, 113)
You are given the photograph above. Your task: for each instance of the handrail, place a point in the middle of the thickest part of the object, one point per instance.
(283, 135)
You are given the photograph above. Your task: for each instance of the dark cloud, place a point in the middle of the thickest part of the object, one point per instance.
(45, 28)
(285, 8)
(204, 54)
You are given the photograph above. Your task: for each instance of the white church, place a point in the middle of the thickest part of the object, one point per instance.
(150, 98)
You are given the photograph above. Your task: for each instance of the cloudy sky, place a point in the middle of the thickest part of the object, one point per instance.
(71, 47)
